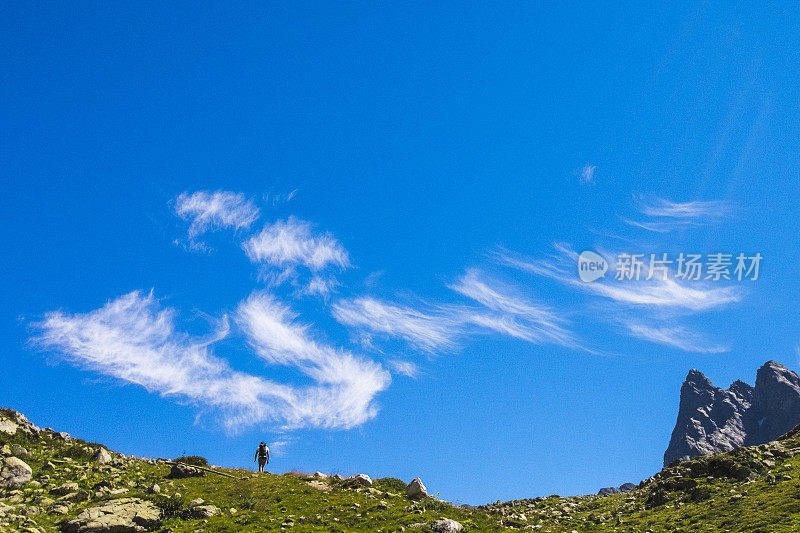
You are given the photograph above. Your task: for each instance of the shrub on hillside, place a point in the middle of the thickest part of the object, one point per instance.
(194, 460)
(390, 484)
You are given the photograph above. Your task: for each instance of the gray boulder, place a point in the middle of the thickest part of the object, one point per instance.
(126, 515)
(416, 490)
(179, 471)
(19, 451)
(446, 525)
(8, 426)
(362, 480)
(625, 487)
(102, 456)
(204, 511)
(14, 473)
(65, 488)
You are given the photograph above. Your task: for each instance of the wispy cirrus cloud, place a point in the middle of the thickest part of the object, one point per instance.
(404, 368)
(441, 327)
(291, 242)
(510, 313)
(320, 286)
(656, 292)
(206, 210)
(346, 384)
(587, 174)
(429, 331)
(664, 215)
(133, 339)
(676, 336)
(656, 300)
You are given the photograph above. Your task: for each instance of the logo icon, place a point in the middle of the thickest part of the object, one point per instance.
(591, 266)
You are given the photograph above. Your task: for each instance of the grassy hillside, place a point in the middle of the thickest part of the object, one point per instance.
(751, 489)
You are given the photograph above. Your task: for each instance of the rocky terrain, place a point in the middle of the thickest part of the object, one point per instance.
(712, 420)
(50, 481)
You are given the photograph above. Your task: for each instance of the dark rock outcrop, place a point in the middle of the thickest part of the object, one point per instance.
(625, 487)
(713, 420)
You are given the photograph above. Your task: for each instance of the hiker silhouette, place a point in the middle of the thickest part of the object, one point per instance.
(262, 456)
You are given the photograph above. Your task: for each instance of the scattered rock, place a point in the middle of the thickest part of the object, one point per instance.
(155, 489)
(416, 490)
(7, 426)
(19, 451)
(446, 525)
(362, 479)
(14, 472)
(179, 471)
(116, 516)
(102, 456)
(65, 488)
(60, 508)
(319, 475)
(625, 487)
(204, 511)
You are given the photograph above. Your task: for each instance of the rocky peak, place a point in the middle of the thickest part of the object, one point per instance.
(713, 420)
(742, 390)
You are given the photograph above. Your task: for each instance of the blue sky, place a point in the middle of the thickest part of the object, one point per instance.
(351, 230)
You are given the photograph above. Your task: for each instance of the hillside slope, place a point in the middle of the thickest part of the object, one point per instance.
(51, 482)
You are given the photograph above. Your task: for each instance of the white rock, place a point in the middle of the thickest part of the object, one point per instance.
(7, 426)
(102, 456)
(14, 472)
(416, 490)
(446, 525)
(363, 480)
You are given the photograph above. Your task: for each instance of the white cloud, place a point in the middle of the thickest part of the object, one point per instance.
(275, 199)
(657, 299)
(656, 292)
(438, 329)
(665, 215)
(430, 332)
(212, 210)
(675, 336)
(404, 368)
(513, 314)
(288, 243)
(319, 286)
(587, 174)
(346, 384)
(280, 446)
(134, 340)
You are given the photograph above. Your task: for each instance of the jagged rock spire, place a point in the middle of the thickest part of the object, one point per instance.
(712, 420)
